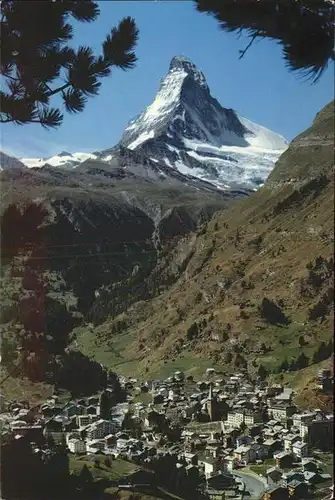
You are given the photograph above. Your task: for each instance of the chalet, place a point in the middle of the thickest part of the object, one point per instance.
(221, 481)
(140, 477)
(312, 477)
(255, 430)
(283, 459)
(277, 493)
(210, 466)
(245, 454)
(309, 465)
(271, 446)
(241, 440)
(297, 489)
(300, 449)
(31, 432)
(289, 440)
(273, 476)
(261, 451)
(49, 410)
(91, 410)
(288, 477)
(213, 450)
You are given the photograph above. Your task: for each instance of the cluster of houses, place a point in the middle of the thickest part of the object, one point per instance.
(209, 429)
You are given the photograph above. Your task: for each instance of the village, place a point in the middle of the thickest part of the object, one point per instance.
(220, 437)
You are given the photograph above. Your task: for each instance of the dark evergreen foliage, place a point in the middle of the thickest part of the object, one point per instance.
(303, 28)
(272, 313)
(192, 331)
(324, 351)
(323, 306)
(21, 227)
(262, 372)
(105, 405)
(302, 361)
(37, 63)
(41, 475)
(284, 366)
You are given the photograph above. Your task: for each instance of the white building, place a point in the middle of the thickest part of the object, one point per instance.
(100, 429)
(95, 445)
(210, 467)
(252, 418)
(235, 418)
(239, 416)
(300, 449)
(76, 446)
(72, 435)
(122, 443)
(245, 454)
(84, 420)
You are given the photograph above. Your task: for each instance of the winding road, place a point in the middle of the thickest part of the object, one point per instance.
(255, 486)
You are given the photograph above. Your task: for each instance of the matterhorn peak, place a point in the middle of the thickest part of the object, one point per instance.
(186, 65)
(186, 128)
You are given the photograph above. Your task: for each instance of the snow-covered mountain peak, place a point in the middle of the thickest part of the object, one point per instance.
(181, 63)
(63, 159)
(186, 129)
(63, 153)
(189, 130)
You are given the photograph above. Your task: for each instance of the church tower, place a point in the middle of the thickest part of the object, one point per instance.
(212, 405)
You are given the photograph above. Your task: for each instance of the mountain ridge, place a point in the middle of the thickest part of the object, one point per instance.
(275, 247)
(189, 131)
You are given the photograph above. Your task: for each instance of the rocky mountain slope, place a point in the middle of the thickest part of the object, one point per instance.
(256, 284)
(190, 131)
(10, 162)
(136, 263)
(81, 244)
(106, 224)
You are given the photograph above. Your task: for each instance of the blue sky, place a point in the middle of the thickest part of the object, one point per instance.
(258, 87)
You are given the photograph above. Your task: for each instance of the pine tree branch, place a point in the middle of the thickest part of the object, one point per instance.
(12, 78)
(7, 120)
(242, 52)
(60, 89)
(11, 120)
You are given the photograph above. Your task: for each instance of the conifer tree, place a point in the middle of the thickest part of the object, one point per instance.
(303, 28)
(37, 63)
(262, 372)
